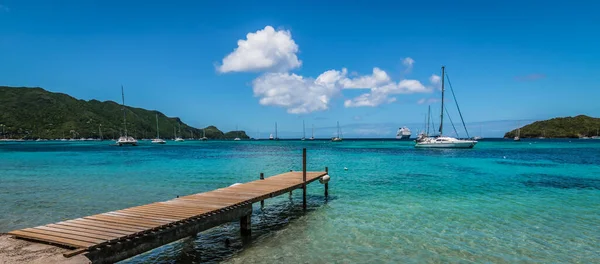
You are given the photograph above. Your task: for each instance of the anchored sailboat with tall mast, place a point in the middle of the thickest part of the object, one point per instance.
(312, 137)
(339, 134)
(442, 141)
(125, 140)
(178, 138)
(158, 140)
(303, 132)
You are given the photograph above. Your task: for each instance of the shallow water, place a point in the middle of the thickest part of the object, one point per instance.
(502, 202)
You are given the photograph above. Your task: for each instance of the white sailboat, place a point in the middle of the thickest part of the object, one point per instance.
(597, 136)
(443, 141)
(271, 137)
(339, 134)
(204, 134)
(125, 140)
(237, 132)
(312, 137)
(518, 136)
(303, 132)
(158, 140)
(178, 139)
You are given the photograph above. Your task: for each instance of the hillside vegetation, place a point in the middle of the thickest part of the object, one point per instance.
(32, 113)
(560, 127)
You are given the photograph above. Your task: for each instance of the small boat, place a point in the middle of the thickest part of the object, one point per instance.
(271, 137)
(597, 136)
(339, 134)
(518, 136)
(312, 137)
(125, 140)
(237, 139)
(441, 141)
(158, 140)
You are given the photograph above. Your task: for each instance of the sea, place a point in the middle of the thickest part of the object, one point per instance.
(533, 201)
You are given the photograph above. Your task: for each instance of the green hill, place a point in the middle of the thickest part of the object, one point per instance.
(32, 113)
(560, 127)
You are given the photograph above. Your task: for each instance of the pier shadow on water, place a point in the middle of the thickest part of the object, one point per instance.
(223, 242)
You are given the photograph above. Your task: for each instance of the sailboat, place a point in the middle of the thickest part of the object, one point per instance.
(339, 136)
(518, 136)
(204, 134)
(178, 139)
(271, 136)
(158, 140)
(237, 133)
(125, 140)
(597, 136)
(312, 137)
(444, 141)
(303, 132)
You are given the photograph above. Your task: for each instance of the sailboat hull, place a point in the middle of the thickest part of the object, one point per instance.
(445, 143)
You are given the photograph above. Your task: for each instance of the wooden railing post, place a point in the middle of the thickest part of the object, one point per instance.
(304, 178)
(262, 202)
(327, 183)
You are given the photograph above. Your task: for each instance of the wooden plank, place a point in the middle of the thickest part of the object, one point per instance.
(144, 226)
(137, 218)
(150, 215)
(159, 212)
(188, 209)
(77, 233)
(74, 252)
(146, 216)
(58, 234)
(51, 239)
(88, 230)
(97, 223)
(134, 220)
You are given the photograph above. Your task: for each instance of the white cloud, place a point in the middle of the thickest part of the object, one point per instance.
(435, 79)
(295, 93)
(378, 77)
(264, 50)
(408, 63)
(428, 101)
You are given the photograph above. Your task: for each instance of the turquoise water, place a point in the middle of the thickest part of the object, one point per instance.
(502, 202)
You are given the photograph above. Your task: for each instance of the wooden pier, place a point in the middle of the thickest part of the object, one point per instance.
(118, 235)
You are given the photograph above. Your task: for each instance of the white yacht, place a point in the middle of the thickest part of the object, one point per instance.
(125, 140)
(158, 140)
(271, 137)
(204, 134)
(312, 137)
(441, 141)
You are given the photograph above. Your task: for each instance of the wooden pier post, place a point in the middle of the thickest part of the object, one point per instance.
(245, 223)
(327, 183)
(262, 202)
(304, 178)
(291, 191)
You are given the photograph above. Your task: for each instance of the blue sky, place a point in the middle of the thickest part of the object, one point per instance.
(510, 62)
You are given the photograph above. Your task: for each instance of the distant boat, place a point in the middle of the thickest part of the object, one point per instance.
(237, 139)
(403, 133)
(597, 136)
(313, 133)
(303, 132)
(204, 134)
(339, 134)
(518, 136)
(444, 141)
(178, 139)
(125, 140)
(271, 137)
(158, 140)
(276, 135)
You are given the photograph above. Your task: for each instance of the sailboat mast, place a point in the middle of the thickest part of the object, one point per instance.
(338, 129)
(276, 137)
(123, 106)
(442, 113)
(313, 131)
(157, 132)
(303, 130)
(428, 118)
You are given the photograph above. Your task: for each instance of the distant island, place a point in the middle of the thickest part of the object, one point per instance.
(561, 127)
(32, 113)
